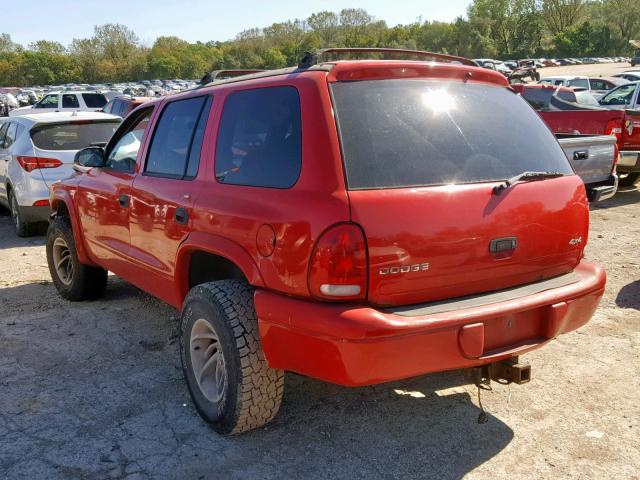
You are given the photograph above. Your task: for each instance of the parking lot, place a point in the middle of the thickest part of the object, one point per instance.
(94, 390)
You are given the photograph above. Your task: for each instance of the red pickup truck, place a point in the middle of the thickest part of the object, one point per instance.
(354, 221)
(624, 124)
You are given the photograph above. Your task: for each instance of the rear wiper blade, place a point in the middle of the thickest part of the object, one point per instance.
(525, 177)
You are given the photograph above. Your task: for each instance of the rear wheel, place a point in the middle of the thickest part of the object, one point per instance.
(630, 179)
(230, 382)
(23, 229)
(74, 280)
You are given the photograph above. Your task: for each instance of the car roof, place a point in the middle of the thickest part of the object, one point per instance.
(60, 117)
(435, 69)
(566, 77)
(60, 92)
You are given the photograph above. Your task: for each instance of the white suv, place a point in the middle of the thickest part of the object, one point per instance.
(37, 150)
(64, 102)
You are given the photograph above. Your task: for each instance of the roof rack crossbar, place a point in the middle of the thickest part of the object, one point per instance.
(228, 73)
(313, 58)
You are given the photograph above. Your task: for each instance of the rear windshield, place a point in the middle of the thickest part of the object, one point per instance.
(539, 98)
(72, 136)
(404, 133)
(94, 100)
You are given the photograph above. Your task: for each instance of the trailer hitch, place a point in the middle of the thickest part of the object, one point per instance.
(504, 372)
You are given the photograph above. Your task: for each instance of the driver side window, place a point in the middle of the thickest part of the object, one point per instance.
(122, 156)
(621, 96)
(50, 101)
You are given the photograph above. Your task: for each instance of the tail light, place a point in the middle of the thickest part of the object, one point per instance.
(614, 127)
(338, 268)
(41, 203)
(32, 163)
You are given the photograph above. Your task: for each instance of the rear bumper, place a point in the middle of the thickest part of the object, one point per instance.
(629, 162)
(598, 192)
(359, 345)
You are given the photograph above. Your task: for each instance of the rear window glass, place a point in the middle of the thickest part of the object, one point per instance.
(539, 98)
(72, 136)
(94, 100)
(403, 133)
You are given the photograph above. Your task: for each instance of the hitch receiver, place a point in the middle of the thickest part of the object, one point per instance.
(510, 371)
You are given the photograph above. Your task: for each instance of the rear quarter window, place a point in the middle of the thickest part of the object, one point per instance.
(94, 100)
(72, 136)
(260, 138)
(404, 133)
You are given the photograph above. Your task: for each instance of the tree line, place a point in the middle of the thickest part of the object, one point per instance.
(505, 29)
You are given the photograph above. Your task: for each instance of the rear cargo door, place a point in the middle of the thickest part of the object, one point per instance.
(421, 162)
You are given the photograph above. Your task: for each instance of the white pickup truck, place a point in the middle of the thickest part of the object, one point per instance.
(64, 102)
(593, 158)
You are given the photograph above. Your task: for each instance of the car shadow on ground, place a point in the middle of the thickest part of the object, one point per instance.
(121, 352)
(629, 296)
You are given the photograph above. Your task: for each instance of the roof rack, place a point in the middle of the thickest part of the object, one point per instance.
(218, 74)
(316, 57)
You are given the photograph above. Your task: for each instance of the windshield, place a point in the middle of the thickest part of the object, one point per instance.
(72, 136)
(403, 133)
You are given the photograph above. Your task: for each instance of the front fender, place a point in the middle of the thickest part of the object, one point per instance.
(62, 197)
(216, 245)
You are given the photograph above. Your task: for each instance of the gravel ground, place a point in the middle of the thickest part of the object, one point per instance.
(94, 391)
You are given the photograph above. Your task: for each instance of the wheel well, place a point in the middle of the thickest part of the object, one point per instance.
(207, 267)
(60, 209)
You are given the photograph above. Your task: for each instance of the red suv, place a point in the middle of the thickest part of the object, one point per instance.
(356, 221)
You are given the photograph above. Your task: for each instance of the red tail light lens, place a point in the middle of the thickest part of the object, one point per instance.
(41, 203)
(32, 163)
(614, 127)
(338, 269)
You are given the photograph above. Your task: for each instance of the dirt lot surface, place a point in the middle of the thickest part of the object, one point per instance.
(94, 391)
(594, 70)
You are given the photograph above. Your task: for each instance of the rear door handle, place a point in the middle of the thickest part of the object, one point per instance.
(123, 200)
(581, 154)
(182, 216)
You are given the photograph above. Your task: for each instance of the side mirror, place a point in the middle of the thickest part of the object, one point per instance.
(90, 157)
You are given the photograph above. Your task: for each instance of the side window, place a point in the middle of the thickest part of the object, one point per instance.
(599, 85)
(94, 100)
(620, 96)
(177, 139)
(50, 101)
(260, 138)
(121, 109)
(122, 156)
(11, 135)
(70, 101)
(3, 133)
(109, 106)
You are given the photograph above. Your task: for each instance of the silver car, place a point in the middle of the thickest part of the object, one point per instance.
(37, 150)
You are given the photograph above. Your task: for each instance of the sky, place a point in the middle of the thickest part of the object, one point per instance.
(193, 20)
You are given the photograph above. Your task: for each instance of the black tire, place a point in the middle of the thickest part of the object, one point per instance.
(629, 180)
(22, 228)
(250, 393)
(84, 281)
